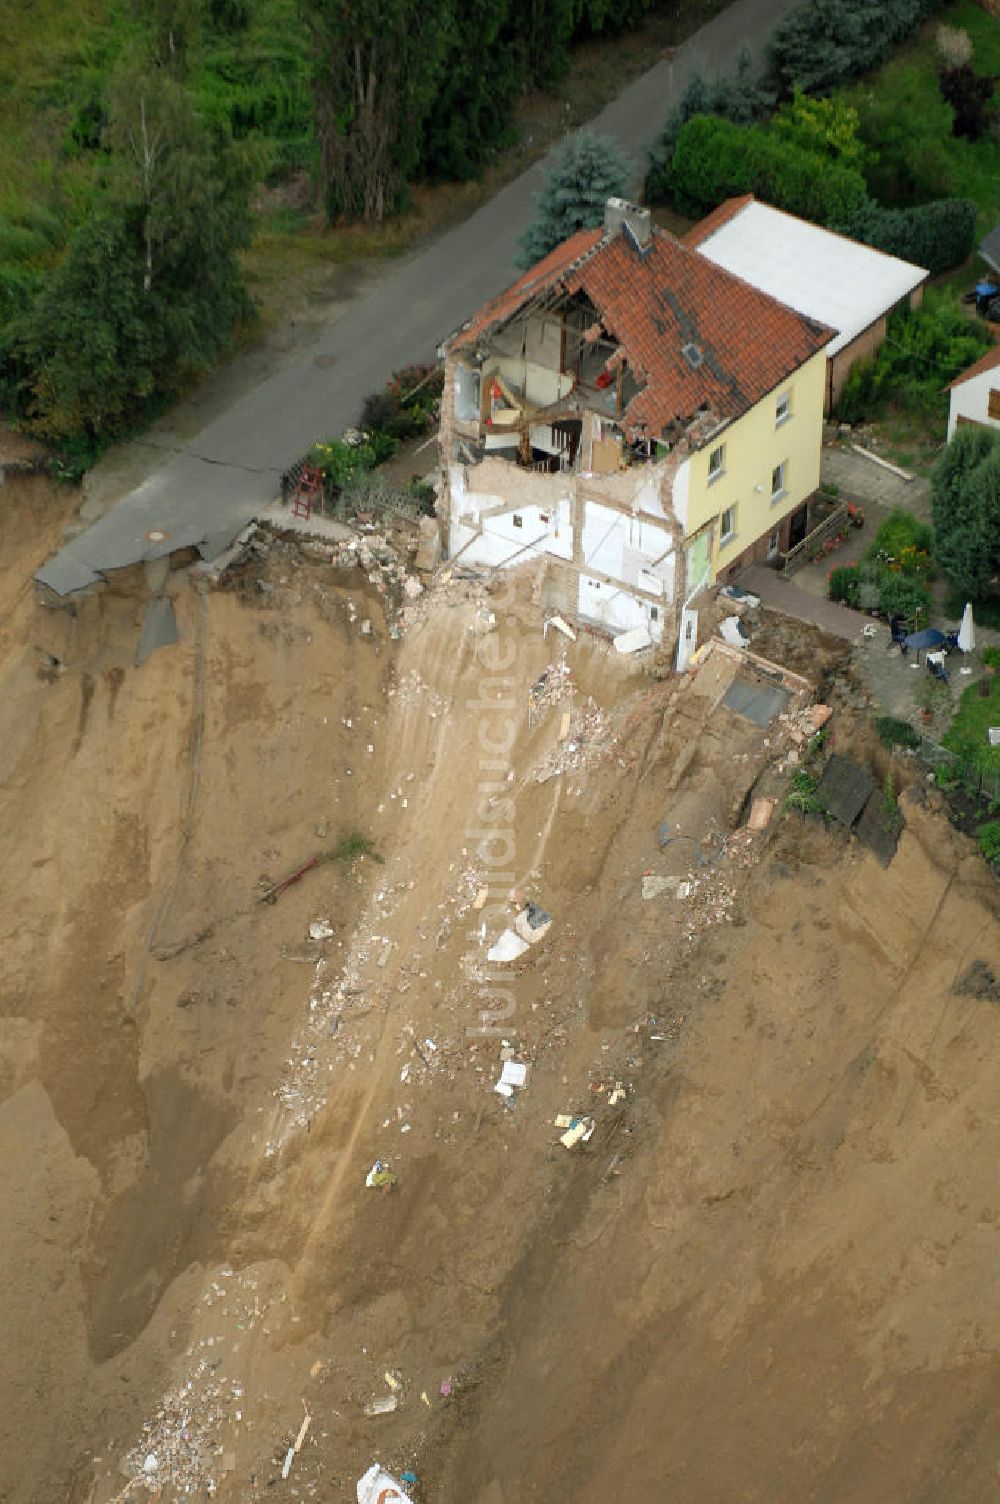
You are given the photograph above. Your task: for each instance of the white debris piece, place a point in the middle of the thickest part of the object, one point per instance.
(732, 630)
(514, 1074)
(580, 1130)
(384, 1405)
(380, 1487)
(560, 626)
(634, 641)
(321, 929)
(508, 947)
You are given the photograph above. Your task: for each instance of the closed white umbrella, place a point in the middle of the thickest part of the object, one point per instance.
(967, 631)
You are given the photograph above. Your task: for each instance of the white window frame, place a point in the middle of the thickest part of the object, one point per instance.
(783, 408)
(715, 472)
(725, 538)
(774, 543)
(779, 492)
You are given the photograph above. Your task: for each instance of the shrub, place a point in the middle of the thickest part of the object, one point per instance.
(991, 657)
(802, 795)
(341, 462)
(844, 584)
(903, 595)
(893, 732)
(739, 97)
(902, 534)
(988, 837)
(715, 159)
(926, 348)
(406, 407)
(938, 235)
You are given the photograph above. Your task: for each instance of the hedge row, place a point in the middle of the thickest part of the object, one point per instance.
(938, 235)
(714, 159)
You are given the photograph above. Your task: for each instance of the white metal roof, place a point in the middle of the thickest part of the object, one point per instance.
(840, 283)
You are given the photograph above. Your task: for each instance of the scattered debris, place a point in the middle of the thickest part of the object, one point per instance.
(740, 598)
(321, 929)
(380, 1176)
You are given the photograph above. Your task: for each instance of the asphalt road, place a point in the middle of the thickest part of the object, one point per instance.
(229, 470)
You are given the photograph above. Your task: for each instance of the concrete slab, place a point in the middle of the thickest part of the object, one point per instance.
(759, 703)
(177, 507)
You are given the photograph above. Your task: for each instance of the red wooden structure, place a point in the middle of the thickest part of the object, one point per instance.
(308, 492)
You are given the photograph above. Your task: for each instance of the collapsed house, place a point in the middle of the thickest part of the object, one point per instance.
(639, 419)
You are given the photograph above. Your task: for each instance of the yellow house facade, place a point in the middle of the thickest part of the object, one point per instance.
(747, 483)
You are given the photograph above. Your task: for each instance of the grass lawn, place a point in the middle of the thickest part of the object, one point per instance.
(968, 735)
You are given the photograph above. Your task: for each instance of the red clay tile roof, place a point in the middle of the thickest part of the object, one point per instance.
(726, 211)
(653, 305)
(984, 363)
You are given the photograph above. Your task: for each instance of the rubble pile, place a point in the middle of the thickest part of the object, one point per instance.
(179, 1446)
(589, 738)
(711, 895)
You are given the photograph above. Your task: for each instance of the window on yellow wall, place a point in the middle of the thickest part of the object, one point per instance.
(779, 481)
(783, 408)
(716, 463)
(727, 526)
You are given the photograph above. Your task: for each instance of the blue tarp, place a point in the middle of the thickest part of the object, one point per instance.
(928, 639)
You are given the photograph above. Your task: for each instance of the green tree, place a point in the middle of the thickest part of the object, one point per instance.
(906, 135)
(587, 172)
(378, 69)
(151, 286)
(539, 32)
(826, 127)
(471, 118)
(965, 510)
(822, 43)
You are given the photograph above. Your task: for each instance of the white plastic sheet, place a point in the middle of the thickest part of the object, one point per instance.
(380, 1487)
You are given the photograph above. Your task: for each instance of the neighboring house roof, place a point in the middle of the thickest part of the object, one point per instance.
(825, 276)
(989, 248)
(714, 221)
(656, 302)
(985, 362)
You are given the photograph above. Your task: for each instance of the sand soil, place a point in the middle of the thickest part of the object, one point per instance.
(769, 1273)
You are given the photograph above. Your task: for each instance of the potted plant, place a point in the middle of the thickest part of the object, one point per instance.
(929, 698)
